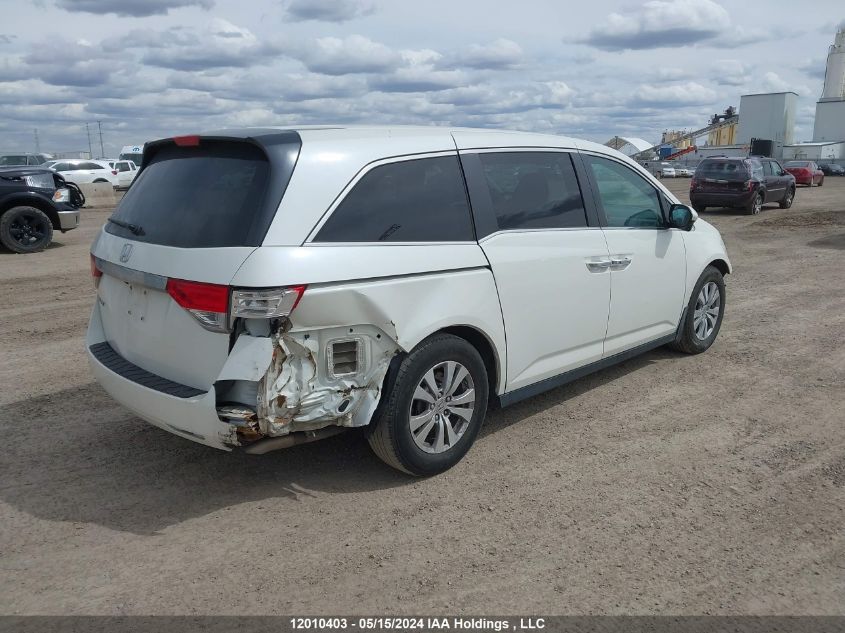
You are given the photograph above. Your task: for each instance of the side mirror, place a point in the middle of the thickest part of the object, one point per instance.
(681, 217)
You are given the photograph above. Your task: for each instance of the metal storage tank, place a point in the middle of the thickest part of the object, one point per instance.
(830, 110)
(834, 75)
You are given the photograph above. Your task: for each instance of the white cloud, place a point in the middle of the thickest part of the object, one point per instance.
(352, 54)
(499, 54)
(686, 93)
(660, 23)
(328, 10)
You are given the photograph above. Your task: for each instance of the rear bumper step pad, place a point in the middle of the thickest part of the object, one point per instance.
(113, 361)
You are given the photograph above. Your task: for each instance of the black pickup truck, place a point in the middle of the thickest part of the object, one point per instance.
(35, 201)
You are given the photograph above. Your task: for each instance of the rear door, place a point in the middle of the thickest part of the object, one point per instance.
(775, 180)
(648, 260)
(548, 256)
(195, 214)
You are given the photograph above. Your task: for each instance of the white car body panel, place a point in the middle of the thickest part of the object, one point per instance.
(647, 295)
(529, 295)
(555, 309)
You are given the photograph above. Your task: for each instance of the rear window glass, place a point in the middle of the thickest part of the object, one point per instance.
(422, 200)
(198, 197)
(797, 163)
(722, 170)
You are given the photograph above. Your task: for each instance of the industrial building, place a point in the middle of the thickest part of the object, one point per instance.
(765, 125)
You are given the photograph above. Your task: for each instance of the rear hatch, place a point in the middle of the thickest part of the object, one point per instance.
(198, 208)
(721, 175)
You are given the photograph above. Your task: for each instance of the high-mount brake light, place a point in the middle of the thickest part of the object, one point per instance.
(187, 141)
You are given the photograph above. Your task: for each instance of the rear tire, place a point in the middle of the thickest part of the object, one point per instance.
(755, 205)
(701, 324)
(788, 197)
(25, 230)
(821, 182)
(442, 437)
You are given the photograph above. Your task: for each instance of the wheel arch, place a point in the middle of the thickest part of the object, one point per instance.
(13, 201)
(484, 346)
(721, 265)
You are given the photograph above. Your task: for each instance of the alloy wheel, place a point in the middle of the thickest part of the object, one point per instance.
(707, 307)
(27, 229)
(442, 407)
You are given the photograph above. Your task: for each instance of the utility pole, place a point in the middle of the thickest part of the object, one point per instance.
(37, 143)
(90, 149)
(102, 151)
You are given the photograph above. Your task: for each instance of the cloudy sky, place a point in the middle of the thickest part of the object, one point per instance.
(151, 68)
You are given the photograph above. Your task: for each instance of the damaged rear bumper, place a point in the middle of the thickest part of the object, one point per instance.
(279, 385)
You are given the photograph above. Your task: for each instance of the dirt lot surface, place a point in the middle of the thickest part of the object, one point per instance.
(669, 484)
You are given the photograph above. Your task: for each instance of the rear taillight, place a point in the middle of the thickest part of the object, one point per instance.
(114, 172)
(692, 184)
(749, 185)
(208, 303)
(96, 273)
(266, 303)
(216, 306)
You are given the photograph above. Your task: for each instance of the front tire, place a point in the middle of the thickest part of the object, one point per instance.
(25, 230)
(436, 407)
(704, 314)
(788, 197)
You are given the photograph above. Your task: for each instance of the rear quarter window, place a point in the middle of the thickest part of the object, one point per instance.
(419, 200)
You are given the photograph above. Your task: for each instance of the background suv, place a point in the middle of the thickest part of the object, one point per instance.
(742, 183)
(261, 288)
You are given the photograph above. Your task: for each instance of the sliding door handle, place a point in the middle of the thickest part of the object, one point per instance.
(619, 263)
(598, 265)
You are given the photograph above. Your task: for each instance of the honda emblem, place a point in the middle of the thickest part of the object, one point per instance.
(126, 253)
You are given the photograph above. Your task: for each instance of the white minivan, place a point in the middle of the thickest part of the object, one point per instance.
(260, 288)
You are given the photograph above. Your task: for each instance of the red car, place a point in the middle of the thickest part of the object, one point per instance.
(806, 172)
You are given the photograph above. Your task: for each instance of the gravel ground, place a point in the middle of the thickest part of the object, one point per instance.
(712, 484)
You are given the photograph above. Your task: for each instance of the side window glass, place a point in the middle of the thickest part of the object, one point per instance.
(777, 170)
(767, 168)
(122, 167)
(627, 198)
(422, 200)
(756, 169)
(533, 190)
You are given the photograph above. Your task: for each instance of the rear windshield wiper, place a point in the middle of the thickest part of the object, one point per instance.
(136, 230)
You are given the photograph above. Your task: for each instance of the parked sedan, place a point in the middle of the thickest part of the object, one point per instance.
(806, 172)
(82, 171)
(832, 169)
(666, 171)
(683, 172)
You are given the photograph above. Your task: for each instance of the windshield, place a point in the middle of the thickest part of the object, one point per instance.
(135, 158)
(199, 197)
(11, 160)
(722, 170)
